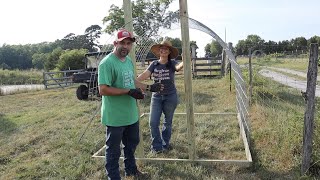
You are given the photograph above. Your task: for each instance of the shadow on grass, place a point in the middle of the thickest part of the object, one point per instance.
(198, 98)
(6, 126)
(270, 99)
(291, 98)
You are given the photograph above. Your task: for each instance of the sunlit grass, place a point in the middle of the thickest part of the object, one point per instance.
(299, 64)
(40, 131)
(15, 77)
(280, 111)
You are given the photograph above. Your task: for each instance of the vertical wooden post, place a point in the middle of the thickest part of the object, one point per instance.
(193, 55)
(184, 17)
(250, 76)
(223, 63)
(44, 81)
(230, 47)
(310, 107)
(230, 77)
(127, 8)
(224, 55)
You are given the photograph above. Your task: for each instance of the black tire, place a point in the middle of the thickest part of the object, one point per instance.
(82, 92)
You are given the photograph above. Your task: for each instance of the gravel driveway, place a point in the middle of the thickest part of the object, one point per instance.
(289, 81)
(298, 73)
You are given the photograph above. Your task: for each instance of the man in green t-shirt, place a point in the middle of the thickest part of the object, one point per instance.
(119, 111)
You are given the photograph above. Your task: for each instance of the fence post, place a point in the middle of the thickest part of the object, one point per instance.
(184, 24)
(193, 59)
(230, 78)
(127, 8)
(310, 107)
(65, 78)
(45, 80)
(250, 77)
(223, 63)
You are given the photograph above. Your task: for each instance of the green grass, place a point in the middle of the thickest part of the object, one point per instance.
(299, 64)
(280, 111)
(40, 131)
(15, 77)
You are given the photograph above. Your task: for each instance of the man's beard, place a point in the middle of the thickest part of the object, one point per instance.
(123, 52)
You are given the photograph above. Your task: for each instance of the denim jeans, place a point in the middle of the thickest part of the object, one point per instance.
(165, 104)
(129, 135)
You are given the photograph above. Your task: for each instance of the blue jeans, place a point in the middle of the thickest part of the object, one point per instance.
(129, 135)
(165, 104)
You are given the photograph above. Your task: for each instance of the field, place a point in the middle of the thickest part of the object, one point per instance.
(40, 132)
(16, 77)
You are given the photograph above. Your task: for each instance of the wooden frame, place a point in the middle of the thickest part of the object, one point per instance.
(184, 21)
(242, 163)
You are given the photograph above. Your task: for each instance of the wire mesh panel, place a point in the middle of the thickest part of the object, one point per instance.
(144, 41)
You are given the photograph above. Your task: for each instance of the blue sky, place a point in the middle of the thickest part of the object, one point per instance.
(35, 21)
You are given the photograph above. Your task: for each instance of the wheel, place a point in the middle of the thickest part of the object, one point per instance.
(82, 92)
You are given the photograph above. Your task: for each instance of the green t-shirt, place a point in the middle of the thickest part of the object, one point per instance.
(119, 110)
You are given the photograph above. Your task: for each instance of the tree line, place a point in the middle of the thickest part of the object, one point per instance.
(255, 42)
(148, 18)
(66, 53)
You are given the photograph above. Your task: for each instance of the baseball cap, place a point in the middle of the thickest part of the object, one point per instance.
(123, 34)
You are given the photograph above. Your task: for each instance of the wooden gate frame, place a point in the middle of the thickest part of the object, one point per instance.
(184, 20)
(241, 163)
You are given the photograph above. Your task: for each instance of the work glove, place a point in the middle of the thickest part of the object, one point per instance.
(136, 93)
(156, 87)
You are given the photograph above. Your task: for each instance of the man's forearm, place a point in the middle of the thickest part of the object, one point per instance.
(111, 91)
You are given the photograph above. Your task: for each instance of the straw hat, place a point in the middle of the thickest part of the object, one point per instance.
(155, 49)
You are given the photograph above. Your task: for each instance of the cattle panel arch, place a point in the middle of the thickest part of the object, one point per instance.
(241, 98)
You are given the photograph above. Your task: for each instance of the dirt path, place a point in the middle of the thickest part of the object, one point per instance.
(294, 72)
(289, 81)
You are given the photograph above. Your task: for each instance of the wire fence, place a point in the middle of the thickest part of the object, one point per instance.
(145, 41)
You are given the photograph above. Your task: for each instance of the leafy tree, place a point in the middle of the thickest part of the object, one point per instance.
(93, 33)
(72, 59)
(46, 54)
(148, 16)
(299, 43)
(270, 47)
(39, 59)
(207, 50)
(43, 47)
(215, 48)
(4, 66)
(253, 41)
(15, 56)
(314, 39)
(285, 45)
(72, 41)
(241, 48)
(53, 58)
(68, 42)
